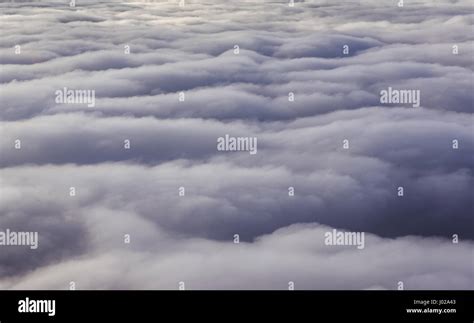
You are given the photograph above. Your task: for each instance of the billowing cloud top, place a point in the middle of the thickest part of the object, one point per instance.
(153, 85)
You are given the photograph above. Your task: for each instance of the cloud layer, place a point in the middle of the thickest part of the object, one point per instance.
(191, 51)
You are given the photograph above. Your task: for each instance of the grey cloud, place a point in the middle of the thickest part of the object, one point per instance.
(294, 254)
(194, 56)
